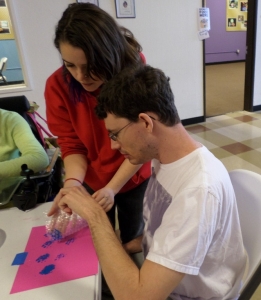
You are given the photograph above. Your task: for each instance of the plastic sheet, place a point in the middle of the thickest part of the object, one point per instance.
(62, 225)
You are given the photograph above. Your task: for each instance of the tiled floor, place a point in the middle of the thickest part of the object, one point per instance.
(235, 139)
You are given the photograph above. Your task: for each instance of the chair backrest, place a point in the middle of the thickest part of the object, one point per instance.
(3, 61)
(247, 187)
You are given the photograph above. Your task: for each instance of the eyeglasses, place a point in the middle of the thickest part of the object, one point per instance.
(114, 136)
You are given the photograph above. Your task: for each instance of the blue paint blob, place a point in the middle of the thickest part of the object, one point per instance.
(47, 270)
(56, 235)
(42, 257)
(71, 240)
(59, 256)
(47, 244)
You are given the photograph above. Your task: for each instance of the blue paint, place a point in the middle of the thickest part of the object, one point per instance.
(56, 235)
(59, 256)
(47, 270)
(71, 240)
(42, 257)
(47, 244)
(19, 259)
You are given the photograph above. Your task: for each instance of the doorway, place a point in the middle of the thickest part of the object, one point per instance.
(224, 88)
(227, 89)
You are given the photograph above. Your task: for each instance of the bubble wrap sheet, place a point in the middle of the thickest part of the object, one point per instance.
(61, 225)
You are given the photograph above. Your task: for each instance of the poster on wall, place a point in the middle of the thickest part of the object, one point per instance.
(203, 23)
(6, 32)
(236, 18)
(4, 27)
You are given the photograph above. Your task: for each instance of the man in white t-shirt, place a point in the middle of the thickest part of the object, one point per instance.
(192, 241)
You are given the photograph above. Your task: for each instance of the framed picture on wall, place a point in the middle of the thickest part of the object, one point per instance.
(4, 27)
(96, 2)
(125, 8)
(2, 3)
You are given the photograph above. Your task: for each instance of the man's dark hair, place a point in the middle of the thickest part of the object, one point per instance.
(137, 90)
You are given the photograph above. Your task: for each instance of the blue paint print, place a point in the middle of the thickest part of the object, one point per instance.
(56, 235)
(47, 244)
(42, 257)
(71, 240)
(59, 256)
(47, 270)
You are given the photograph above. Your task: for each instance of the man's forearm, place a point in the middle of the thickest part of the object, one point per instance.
(117, 267)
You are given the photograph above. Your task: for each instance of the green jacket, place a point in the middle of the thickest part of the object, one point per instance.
(18, 146)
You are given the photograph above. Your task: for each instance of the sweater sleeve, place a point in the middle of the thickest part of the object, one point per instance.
(60, 112)
(18, 135)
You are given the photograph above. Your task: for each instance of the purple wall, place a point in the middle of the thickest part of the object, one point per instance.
(220, 40)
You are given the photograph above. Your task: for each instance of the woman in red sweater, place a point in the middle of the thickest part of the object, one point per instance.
(93, 49)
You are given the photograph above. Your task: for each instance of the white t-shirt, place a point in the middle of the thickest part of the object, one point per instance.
(192, 226)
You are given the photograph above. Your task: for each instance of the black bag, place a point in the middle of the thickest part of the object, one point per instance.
(37, 188)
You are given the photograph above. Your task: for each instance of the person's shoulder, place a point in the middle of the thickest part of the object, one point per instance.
(11, 118)
(7, 114)
(57, 75)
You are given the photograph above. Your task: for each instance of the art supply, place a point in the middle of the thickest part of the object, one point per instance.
(61, 225)
(47, 262)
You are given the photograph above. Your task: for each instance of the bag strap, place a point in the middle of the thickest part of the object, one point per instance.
(43, 129)
(32, 114)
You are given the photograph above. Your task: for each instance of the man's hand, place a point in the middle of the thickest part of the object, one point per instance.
(54, 208)
(77, 199)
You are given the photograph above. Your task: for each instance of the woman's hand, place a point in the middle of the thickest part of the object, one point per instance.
(105, 197)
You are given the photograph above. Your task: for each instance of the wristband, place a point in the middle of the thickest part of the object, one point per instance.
(73, 179)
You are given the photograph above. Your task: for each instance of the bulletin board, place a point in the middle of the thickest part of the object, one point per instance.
(236, 18)
(6, 31)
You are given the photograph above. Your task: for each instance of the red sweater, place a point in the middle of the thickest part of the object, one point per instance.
(79, 131)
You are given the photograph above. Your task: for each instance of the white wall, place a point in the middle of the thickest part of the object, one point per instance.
(166, 29)
(257, 78)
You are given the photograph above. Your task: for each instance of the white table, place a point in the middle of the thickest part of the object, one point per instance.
(17, 225)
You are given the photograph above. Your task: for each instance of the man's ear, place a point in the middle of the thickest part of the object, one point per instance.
(148, 123)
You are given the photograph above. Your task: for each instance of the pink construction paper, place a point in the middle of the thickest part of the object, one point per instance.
(50, 262)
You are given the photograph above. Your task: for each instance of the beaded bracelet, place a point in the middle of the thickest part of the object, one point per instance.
(73, 179)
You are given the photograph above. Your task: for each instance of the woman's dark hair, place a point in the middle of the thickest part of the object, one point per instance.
(108, 47)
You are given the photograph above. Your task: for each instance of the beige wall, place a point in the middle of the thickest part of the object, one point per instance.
(166, 29)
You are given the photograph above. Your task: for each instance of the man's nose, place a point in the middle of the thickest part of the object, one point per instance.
(115, 145)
